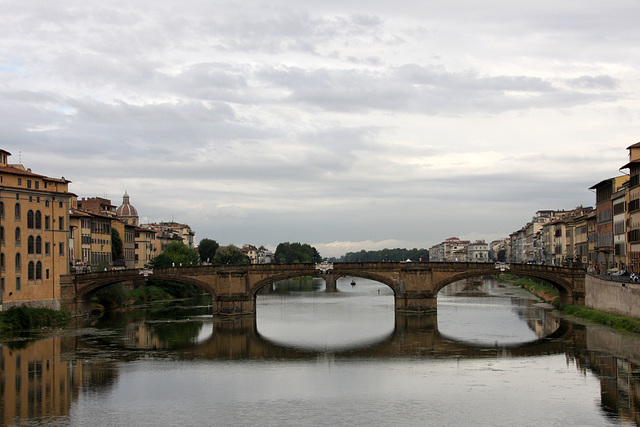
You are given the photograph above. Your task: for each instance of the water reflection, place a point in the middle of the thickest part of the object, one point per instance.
(79, 377)
(301, 316)
(525, 319)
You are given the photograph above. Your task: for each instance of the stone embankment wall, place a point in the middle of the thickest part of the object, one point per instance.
(613, 297)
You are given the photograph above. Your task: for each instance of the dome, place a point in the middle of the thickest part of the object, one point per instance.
(126, 209)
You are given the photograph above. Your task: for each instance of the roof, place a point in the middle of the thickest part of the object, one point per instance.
(604, 181)
(636, 145)
(126, 209)
(630, 163)
(13, 169)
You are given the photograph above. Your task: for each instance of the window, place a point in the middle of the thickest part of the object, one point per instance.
(38, 270)
(2, 262)
(38, 245)
(18, 212)
(30, 219)
(1, 235)
(19, 181)
(28, 183)
(61, 246)
(18, 262)
(31, 271)
(60, 205)
(38, 220)
(60, 223)
(46, 202)
(18, 284)
(47, 248)
(18, 237)
(30, 245)
(1, 209)
(37, 184)
(47, 222)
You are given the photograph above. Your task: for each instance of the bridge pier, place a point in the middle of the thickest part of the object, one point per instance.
(234, 305)
(330, 281)
(416, 304)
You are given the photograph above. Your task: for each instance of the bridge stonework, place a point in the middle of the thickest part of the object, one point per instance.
(234, 288)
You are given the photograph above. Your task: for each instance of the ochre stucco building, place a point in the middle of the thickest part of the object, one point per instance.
(34, 235)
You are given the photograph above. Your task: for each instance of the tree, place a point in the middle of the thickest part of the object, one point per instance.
(207, 249)
(175, 254)
(396, 255)
(230, 255)
(116, 245)
(296, 252)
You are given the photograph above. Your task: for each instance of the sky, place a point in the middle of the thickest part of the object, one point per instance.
(344, 124)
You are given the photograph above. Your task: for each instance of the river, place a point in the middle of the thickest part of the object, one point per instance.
(493, 355)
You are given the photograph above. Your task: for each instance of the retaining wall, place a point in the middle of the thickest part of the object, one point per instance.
(613, 297)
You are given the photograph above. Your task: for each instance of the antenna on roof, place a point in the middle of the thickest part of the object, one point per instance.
(20, 157)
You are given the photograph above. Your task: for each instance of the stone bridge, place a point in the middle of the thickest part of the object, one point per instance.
(415, 285)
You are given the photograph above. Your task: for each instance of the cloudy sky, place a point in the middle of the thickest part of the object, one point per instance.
(344, 124)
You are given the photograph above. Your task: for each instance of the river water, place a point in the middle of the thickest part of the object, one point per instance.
(493, 355)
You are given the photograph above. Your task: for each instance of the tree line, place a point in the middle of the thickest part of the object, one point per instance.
(385, 255)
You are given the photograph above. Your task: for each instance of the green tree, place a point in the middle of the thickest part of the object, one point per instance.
(230, 255)
(296, 252)
(175, 254)
(207, 249)
(116, 245)
(395, 255)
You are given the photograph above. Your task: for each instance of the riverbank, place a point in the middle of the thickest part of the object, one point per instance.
(550, 294)
(20, 319)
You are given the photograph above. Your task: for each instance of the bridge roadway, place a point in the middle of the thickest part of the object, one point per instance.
(415, 285)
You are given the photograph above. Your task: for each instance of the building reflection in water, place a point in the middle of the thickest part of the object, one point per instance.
(35, 381)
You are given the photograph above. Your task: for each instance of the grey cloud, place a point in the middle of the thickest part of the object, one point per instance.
(431, 90)
(595, 82)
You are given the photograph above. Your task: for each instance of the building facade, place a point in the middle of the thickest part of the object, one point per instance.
(34, 235)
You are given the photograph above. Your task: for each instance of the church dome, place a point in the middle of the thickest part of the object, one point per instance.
(126, 209)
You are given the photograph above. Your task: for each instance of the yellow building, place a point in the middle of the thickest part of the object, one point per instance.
(145, 246)
(34, 235)
(633, 208)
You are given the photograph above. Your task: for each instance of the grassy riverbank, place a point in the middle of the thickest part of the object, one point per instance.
(550, 294)
(615, 321)
(541, 289)
(18, 319)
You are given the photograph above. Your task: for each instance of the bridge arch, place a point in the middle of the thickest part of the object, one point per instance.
(375, 277)
(91, 287)
(266, 281)
(564, 287)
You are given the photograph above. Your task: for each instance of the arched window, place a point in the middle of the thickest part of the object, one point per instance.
(38, 245)
(18, 238)
(2, 261)
(18, 212)
(18, 262)
(31, 271)
(30, 245)
(38, 220)
(30, 219)
(2, 234)
(38, 270)
(1, 209)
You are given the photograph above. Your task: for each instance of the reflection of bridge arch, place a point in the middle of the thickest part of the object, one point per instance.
(412, 336)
